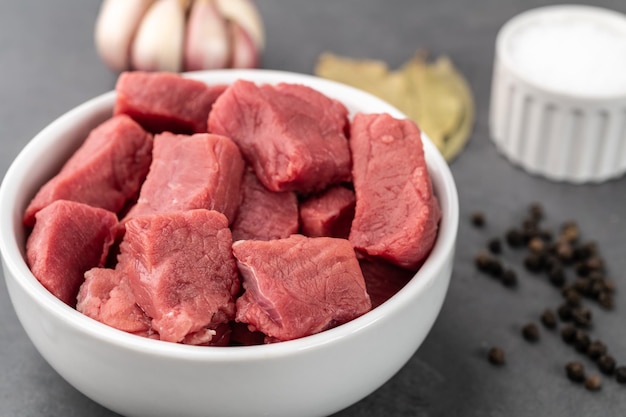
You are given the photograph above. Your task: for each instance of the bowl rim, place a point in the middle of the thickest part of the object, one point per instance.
(16, 266)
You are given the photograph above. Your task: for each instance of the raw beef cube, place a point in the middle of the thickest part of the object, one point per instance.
(397, 214)
(106, 296)
(299, 286)
(292, 135)
(329, 214)
(382, 279)
(162, 101)
(68, 239)
(191, 172)
(220, 336)
(106, 171)
(181, 270)
(264, 214)
(241, 335)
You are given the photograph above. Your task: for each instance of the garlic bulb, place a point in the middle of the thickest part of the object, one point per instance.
(115, 29)
(177, 35)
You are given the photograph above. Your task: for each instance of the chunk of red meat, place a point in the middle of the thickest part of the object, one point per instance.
(106, 296)
(181, 270)
(292, 135)
(264, 214)
(397, 214)
(328, 214)
(241, 335)
(191, 172)
(106, 171)
(68, 239)
(162, 101)
(382, 279)
(299, 286)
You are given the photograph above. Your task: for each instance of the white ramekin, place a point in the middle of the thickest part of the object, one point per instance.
(571, 136)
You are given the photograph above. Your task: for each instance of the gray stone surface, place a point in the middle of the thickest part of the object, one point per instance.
(48, 65)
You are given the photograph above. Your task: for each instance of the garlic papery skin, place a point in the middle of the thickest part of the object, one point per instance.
(207, 43)
(115, 29)
(158, 44)
(244, 53)
(246, 14)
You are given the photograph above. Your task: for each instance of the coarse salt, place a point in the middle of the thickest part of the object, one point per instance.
(572, 54)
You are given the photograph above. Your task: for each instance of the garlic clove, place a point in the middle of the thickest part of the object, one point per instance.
(244, 52)
(246, 14)
(207, 41)
(158, 45)
(115, 29)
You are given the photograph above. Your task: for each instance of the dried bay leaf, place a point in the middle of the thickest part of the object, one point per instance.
(434, 95)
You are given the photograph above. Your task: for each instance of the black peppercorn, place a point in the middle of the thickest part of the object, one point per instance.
(530, 332)
(536, 245)
(593, 383)
(515, 238)
(496, 356)
(581, 341)
(482, 261)
(568, 334)
(533, 262)
(575, 371)
(572, 297)
(478, 219)
(595, 263)
(556, 275)
(620, 374)
(509, 278)
(596, 349)
(606, 301)
(495, 246)
(569, 231)
(564, 251)
(606, 363)
(548, 318)
(565, 312)
(581, 317)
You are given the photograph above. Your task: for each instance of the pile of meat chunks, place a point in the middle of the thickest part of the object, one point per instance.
(233, 214)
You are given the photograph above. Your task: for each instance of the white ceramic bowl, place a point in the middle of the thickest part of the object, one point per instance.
(134, 376)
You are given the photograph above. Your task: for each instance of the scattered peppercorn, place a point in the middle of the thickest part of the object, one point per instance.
(556, 275)
(572, 297)
(548, 318)
(565, 312)
(620, 374)
(482, 261)
(496, 356)
(495, 246)
(596, 349)
(568, 334)
(509, 278)
(478, 219)
(593, 383)
(530, 332)
(515, 238)
(533, 262)
(581, 317)
(581, 341)
(564, 251)
(606, 301)
(606, 363)
(536, 245)
(575, 371)
(595, 263)
(569, 231)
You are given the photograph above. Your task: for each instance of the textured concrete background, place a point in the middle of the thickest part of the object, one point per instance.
(48, 65)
